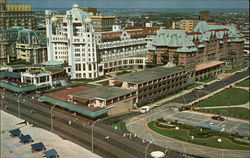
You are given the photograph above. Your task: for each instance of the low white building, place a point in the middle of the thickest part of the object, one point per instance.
(52, 73)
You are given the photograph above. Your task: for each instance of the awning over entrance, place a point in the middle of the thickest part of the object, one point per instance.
(207, 65)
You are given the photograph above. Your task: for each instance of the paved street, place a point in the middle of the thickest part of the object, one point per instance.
(188, 98)
(79, 131)
(138, 126)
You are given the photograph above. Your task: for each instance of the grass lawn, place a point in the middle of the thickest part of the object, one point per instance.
(244, 83)
(183, 134)
(230, 96)
(121, 125)
(90, 85)
(193, 85)
(209, 79)
(234, 69)
(119, 121)
(232, 112)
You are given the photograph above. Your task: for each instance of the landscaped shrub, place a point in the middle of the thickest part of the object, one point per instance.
(161, 120)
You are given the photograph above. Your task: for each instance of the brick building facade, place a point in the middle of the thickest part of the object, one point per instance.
(211, 45)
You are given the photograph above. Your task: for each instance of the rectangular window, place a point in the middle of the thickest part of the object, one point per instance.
(78, 67)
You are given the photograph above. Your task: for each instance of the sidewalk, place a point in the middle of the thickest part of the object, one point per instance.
(246, 105)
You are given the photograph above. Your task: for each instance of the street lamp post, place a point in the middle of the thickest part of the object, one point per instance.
(2, 93)
(146, 149)
(18, 104)
(51, 117)
(92, 134)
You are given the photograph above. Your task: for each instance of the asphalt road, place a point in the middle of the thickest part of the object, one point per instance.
(138, 125)
(192, 96)
(79, 131)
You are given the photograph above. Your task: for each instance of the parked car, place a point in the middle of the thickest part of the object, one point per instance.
(219, 118)
(205, 85)
(145, 109)
(195, 90)
(184, 108)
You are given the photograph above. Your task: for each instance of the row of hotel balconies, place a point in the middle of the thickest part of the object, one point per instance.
(107, 57)
(123, 62)
(121, 43)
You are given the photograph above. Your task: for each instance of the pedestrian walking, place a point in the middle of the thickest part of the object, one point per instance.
(143, 141)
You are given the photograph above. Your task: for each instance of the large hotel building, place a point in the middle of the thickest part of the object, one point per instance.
(204, 52)
(91, 54)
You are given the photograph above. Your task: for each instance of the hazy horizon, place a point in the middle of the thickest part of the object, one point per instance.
(181, 4)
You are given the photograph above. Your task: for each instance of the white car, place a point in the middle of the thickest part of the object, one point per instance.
(145, 109)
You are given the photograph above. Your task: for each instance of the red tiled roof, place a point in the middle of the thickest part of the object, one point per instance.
(193, 33)
(207, 65)
(63, 94)
(224, 29)
(132, 31)
(80, 99)
(117, 82)
(111, 35)
(146, 30)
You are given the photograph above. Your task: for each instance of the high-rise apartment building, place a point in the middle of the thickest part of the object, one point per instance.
(101, 23)
(16, 15)
(186, 25)
(204, 15)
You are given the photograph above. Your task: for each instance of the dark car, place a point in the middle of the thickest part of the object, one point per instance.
(184, 108)
(219, 118)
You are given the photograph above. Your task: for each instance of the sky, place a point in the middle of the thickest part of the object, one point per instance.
(210, 4)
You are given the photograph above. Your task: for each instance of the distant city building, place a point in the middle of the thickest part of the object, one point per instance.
(3, 5)
(18, 43)
(204, 51)
(91, 11)
(91, 54)
(186, 25)
(204, 15)
(17, 15)
(116, 28)
(100, 22)
(18, 7)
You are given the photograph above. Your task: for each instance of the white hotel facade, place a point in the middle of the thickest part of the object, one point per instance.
(91, 54)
